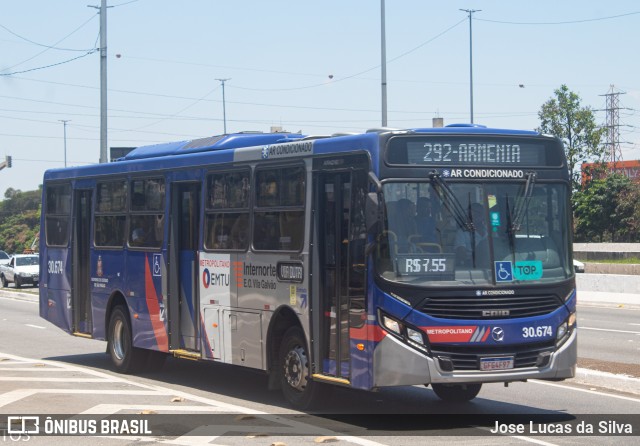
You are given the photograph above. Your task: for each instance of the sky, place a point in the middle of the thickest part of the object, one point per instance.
(308, 66)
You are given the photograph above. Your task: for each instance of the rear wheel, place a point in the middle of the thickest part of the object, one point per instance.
(457, 393)
(125, 357)
(295, 374)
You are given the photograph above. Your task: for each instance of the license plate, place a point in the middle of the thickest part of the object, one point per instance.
(499, 363)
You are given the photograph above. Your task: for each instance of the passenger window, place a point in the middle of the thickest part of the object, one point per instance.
(110, 214)
(58, 210)
(146, 225)
(279, 216)
(227, 211)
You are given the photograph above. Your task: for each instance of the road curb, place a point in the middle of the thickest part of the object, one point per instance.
(622, 383)
(19, 296)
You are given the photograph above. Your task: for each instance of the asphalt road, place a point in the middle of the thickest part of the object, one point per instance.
(44, 370)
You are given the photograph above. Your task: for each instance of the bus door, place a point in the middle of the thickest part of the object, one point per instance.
(339, 259)
(81, 262)
(184, 308)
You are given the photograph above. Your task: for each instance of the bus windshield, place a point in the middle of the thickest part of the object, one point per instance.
(492, 233)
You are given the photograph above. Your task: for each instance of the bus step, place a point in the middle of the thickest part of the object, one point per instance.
(331, 379)
(186, 354)
(82, 335)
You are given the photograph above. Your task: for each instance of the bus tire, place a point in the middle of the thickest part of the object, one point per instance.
(295, 374)
(125, 357)
(457, 393)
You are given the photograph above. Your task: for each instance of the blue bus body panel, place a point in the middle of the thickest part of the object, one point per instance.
(55, 287)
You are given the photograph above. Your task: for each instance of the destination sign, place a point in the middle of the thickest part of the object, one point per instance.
(290, 272)
(472, 151)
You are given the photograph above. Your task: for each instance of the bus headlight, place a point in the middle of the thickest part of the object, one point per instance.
(562, 330)
(410, 335)
(571, 322)
(565, 329)
(415, 338)
(392, 325)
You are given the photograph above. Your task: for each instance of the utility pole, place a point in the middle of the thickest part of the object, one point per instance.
(383, 65)
(471, 11)
(224, 106)
(64, 124)
(613, 125)
(103, 78)
(103, 81)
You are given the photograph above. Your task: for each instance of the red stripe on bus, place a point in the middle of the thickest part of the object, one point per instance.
(154, 309)
(367, 333)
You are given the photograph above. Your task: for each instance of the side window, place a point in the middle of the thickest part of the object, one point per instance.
(279, 214)
(110, 214)
(58, 211)
(227, 211)
(147, 198)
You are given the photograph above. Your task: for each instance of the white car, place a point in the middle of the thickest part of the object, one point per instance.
(22, 269)
(578, 266)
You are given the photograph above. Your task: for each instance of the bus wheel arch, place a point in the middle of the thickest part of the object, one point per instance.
(282, 320)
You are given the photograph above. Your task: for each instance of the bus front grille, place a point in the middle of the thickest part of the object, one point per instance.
(490, 307)
(468, 358)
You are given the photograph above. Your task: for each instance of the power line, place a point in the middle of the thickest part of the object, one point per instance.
(566, 22)
(333, 81)
(42, 44)
(50, 65)
(48, 47)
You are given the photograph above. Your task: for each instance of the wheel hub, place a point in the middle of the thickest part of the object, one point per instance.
(295, 368)
(118, 338)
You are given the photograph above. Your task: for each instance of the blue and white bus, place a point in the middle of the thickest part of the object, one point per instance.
(437, 256)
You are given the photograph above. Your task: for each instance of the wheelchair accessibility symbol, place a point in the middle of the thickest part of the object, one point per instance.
(504, 272)
(157, 271)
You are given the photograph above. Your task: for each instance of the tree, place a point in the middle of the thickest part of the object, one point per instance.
(606, 209)
(563, 116)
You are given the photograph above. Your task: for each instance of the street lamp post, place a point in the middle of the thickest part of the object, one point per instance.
(224, 106)
(383, 64)
(64, 126)
(470, 12)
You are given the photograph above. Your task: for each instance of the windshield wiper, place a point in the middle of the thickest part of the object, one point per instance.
(451, 202)
(523, 205)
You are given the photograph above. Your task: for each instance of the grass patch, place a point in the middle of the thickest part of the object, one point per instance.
(629, 261)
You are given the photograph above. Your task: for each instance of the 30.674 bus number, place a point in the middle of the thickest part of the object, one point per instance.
(537, 332)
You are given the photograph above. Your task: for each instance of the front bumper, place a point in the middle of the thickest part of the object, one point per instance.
(397, 364)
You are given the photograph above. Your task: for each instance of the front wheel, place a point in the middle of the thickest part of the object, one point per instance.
(295, 375)
(457, 393)
(18, 284)
(4, 281)
(125, 357)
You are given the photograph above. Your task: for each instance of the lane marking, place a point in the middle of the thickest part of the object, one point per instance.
(17, 395)
(58, 380)
(520, 437)
(35, 326)
(591, 392)
(111, 409)
(609, 330)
